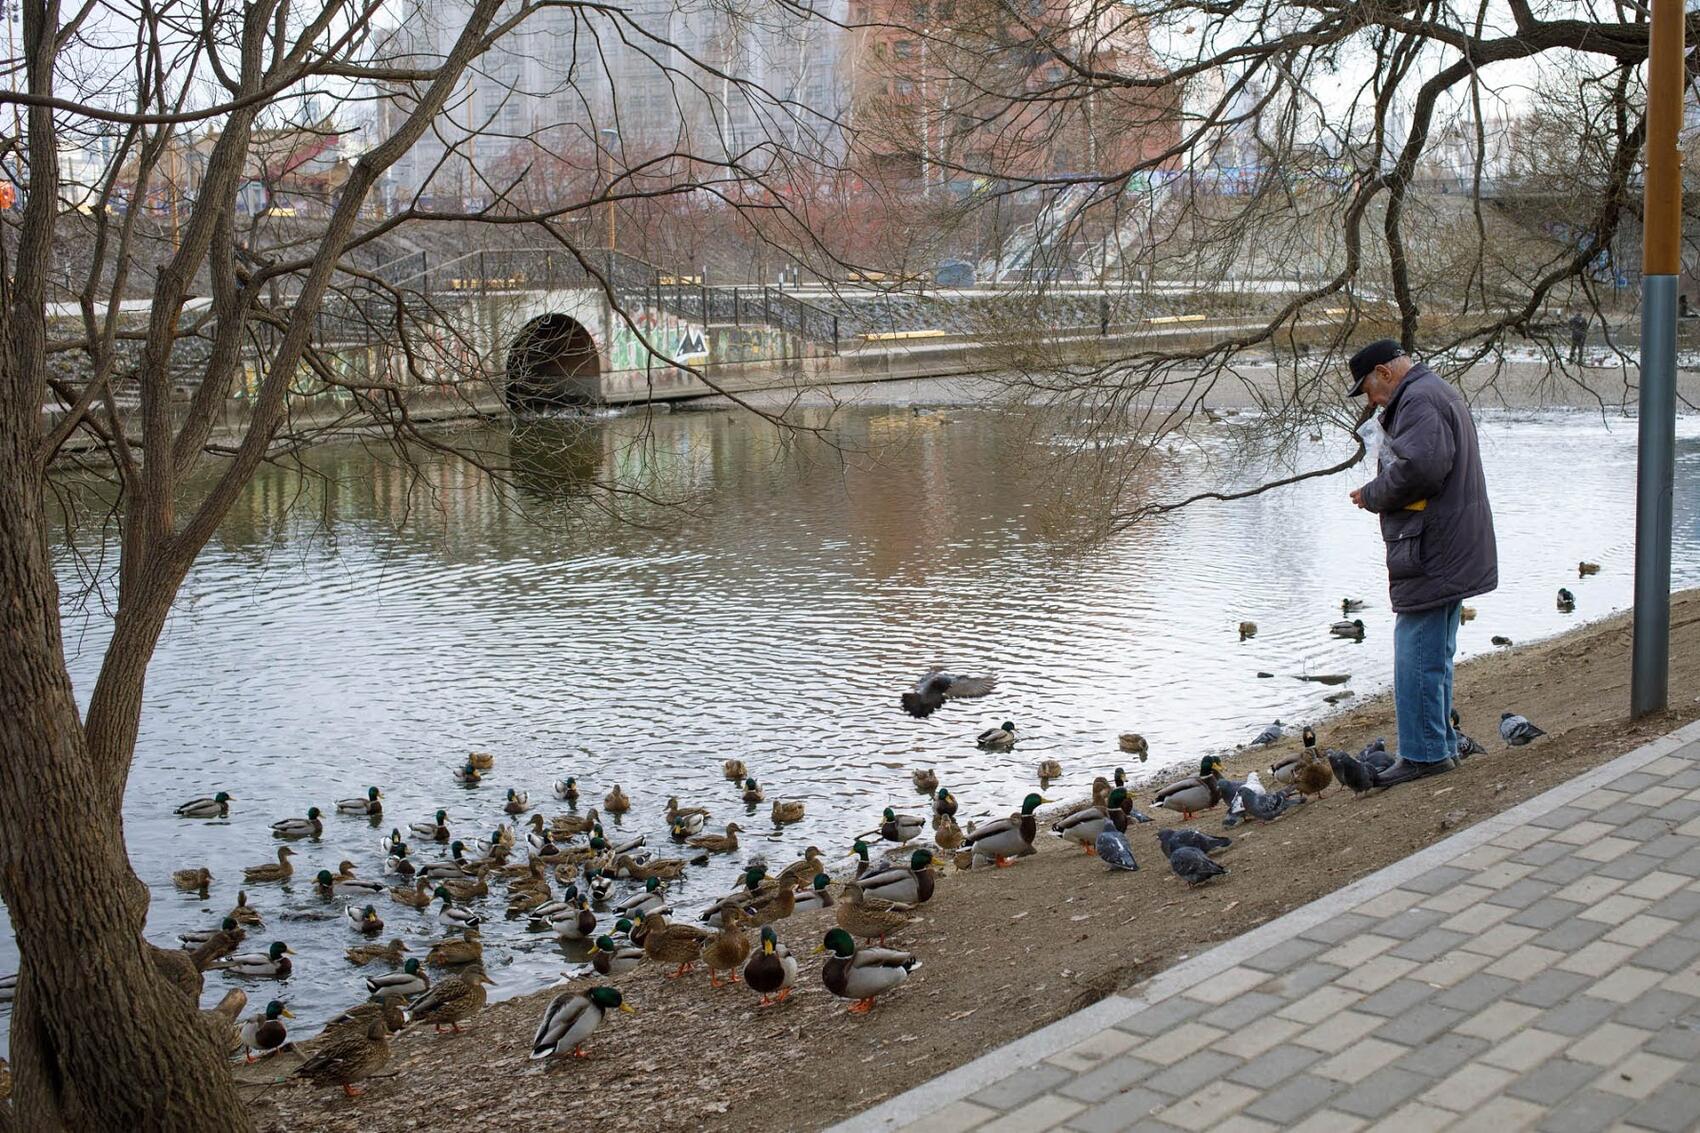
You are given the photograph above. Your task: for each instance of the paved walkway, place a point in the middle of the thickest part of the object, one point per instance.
(1540, 970)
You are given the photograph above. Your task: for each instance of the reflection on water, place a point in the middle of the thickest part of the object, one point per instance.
(370, 626)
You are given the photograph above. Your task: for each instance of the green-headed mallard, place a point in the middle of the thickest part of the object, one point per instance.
(392, 953)
(281, 871)
(1352, 630)
(576, 922)
(1005, 838)
(571, 1018)
(869, 917)
(197, 937)
(273, 963)
(452, 999)
(899, 828)
(193, 880)
(468, 775)
(311, 826)
(217, 806)
(243, 913)
(735, 770)
(616, 801)
(944, 803)
(771, 970)
(457, 915)
(926, 780)
(1084, 826)
(457, 952)
(213, 947)
(348, 1056)
(437, 830)
(947, 835)
(457, 864)
(816, 895)
(910, 884)
(364, 920)
(567, 790)
(1000, 738)
(646, 900)
(371, 806)
(1134, 744)
(786, 811)
(328, 884)
(518, 802)
(718, 843)
(482, 760)
(665, 943)
(265, 1032)
(752, 793)
(409, 981)
(1284, 768)
(861, 974)
(1194, 793)
(611, 959)
(727, 950)
(683, 822)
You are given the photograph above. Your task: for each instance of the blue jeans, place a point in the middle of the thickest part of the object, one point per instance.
(1423, 645)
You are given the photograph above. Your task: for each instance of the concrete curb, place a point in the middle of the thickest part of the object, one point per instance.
(998, 1064)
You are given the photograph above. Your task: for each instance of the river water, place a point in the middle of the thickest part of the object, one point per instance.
(361, 626)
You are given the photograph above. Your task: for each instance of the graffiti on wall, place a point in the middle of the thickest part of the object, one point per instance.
(673, 339)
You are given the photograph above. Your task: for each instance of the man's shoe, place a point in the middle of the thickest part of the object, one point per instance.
(1403, 771)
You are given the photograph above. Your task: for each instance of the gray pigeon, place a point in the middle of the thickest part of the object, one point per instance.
(1113, 849)
(1269, 735)
(1173, 839)
(1351, 772)
(1376, 757)
(1466, 746)
(1193, 866)
(1516, 730)
(1266, 807)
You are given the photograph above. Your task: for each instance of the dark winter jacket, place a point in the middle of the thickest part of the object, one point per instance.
(1444, 551)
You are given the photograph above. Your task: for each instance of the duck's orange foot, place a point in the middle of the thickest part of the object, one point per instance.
(1001, 862)
(351, 1091)
(862, 1006)
(1090, 852)
(682, 969)
(784, 994)
(579, 1052)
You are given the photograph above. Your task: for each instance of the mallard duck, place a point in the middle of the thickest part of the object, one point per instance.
(1050, 769)
(1584, 569)
(392, 953)
(1194, 793)
(1134, 744)
(572, 1017)
(1313, 774)
(753, 886)
(1248, 629)
(281, 871)
(899, 828)
(455, 914)
(482, 760)
(387, 1009)
(616, 801)
(665, 943)
(454, 953)
(528, 899)
(576, 922)
(218, 806)
(1566, 601)
(465, 889)
(684, 821)
(786, 811)
(8, 987)
(1100, 794)
(1466, 614)
(1005, 838)
(518, 802)
(926, 781)
(348, 1056)
(244, 913)
(727, 950)
(947, 835)
(364, 920)
(800, 872)
(570, 826)
(752, 793)
(944, 804)
(372, 805)
(774, 905)
(437, 830)
(646, 900)
(309, 827)
(409, 981)
(816, 896)
(718, 843)
(937, 686)
(468, 775)
(860, 975)
(419, 897)
(328, 884)
(273, 963)
(868, 917)
(455, 866)
(1351, 605)
(193, 880)
(1084, 826)
(197, 938)
(223, 1022)
(599, 883)
(567, 790)
(1000, 738)
(1286, 767)
(452, 999)
(610, 959)
(771, 970)
(735, 770)
(400, 865)
(910, 884)
(266, 1031)
(1354, 629)
(667, 869)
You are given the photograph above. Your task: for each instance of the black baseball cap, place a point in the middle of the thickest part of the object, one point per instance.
(1378, 353)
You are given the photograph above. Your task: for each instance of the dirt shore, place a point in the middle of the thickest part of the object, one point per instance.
(1004, 951)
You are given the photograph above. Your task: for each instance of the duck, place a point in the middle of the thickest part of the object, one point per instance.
(926, 780)
(410, 981)
(1466, 614)
(243, 913)
(1050, 769)
(482, 760)
(452, 999)
(665, 943)
(518, 802)
(1194, 793)
(392, 953)
(437, 830)
(359, 1017)
(266, 1031)
(193, 880)
(947, 835)
(718, 843)
(348, 1056)
(771, 970)
(1566, 601)
(1001, 738)
(944, 804)
(860, 975)
(868, 917)
(216, 806)
(567, 790)
(1100, 795)
(1351, 605)
(899, 828)
(1248, 630)
(774, 905)
(651, 897)
(735, 770)
(419, 897)
(576, 922)
(372, 805)
(727, 950)
(198, 938)
(573, 1017)
(800, 872)
(1286, 767)
(937, 686)
(328, 884)
(281, 871)
(786, 811)
(616, 801)
(1353, 629)
(752, 887)
(273, 963)
(1006, 838)
(666, 869)
(611, 959)
(309, 827)
(816, 896)
(1084, 826)
(600, 884)
(400, 865)
(571, 826)
(1134, 744)
(365, 920)
(468, 948)
(455, 866)
(903, 885)
(468, 775)
(1313, 774)
(1584, 569)
(752, 793)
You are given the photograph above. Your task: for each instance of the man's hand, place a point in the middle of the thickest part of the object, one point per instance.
(1358, 498)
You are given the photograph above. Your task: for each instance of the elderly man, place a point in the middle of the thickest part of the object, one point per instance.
(1432, 500)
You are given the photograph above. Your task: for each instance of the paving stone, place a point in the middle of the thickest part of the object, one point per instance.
(1638, 1076)
(1319, 1005)
(1631, 867)
(1430, 945)
(1525, 1050)
(1299, 1097)
(1549, 988)
(1500, 939)
(1172, 1046)
(1566, 870)
(1381, 1093)
(1275, 1066)
(1117, 1075)
(1160, 1017)
(1678, 810)
(1641, 931)
(1586, 1112)
(1338, 1031)
(1359, 1061)
(1682, 906)
(1476, 992)
(1525, 962)
(1206, 1108)
(1674, 1107)
(1656, 885)
(1283, 956)
(1680, 1041)
(1468, 1086)
(1542, 853)
(1615, 910)
(1576, 1016)
(1643, 829)
(1458, 898)
(1498, 1020)
(1524, 893)
(1388, 904)
(1546, 912)
(1655, 1010)
(1400, 995)
(1597, 959)
(1302, 981)
(1093, 1052)
(1253, 1039)
(1441, 1057)
(1243, 1009)
(1336, 929)
(1560, 818)
(1192, 1073)
(1569, 935)
(1669, 954)
(1432, 881)
(1224, 986)
(1607, 1044)
(1041, 1113)
(1360, 949)
(1376, 974)
(1669, 845)
(1553, 1081)
(957, 1117)
(1476, 918)
(1499, 1115)
(1419, 1025)
(1624, 814)
(1627, 984)
(1415, 1117)
(1130, 1109)
(1410, 923)
(1328, 1121)
(1634, 781)
(1022, 1087)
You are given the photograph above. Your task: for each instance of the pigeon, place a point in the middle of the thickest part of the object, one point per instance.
(938, 686)
(1267, 807)
(1566, 601)
(1231, 792)
(1351, 772)
(1112, 847)
(1516, 730)
(1193, 866)
(1269, 735)
(1376, 757)
(1466, 746)
(1173, 839)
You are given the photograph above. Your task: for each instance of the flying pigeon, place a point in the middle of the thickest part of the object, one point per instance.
(1173, 839)
(1113, 849)
(1193, 866)
(1516, 730)
(938, 686)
